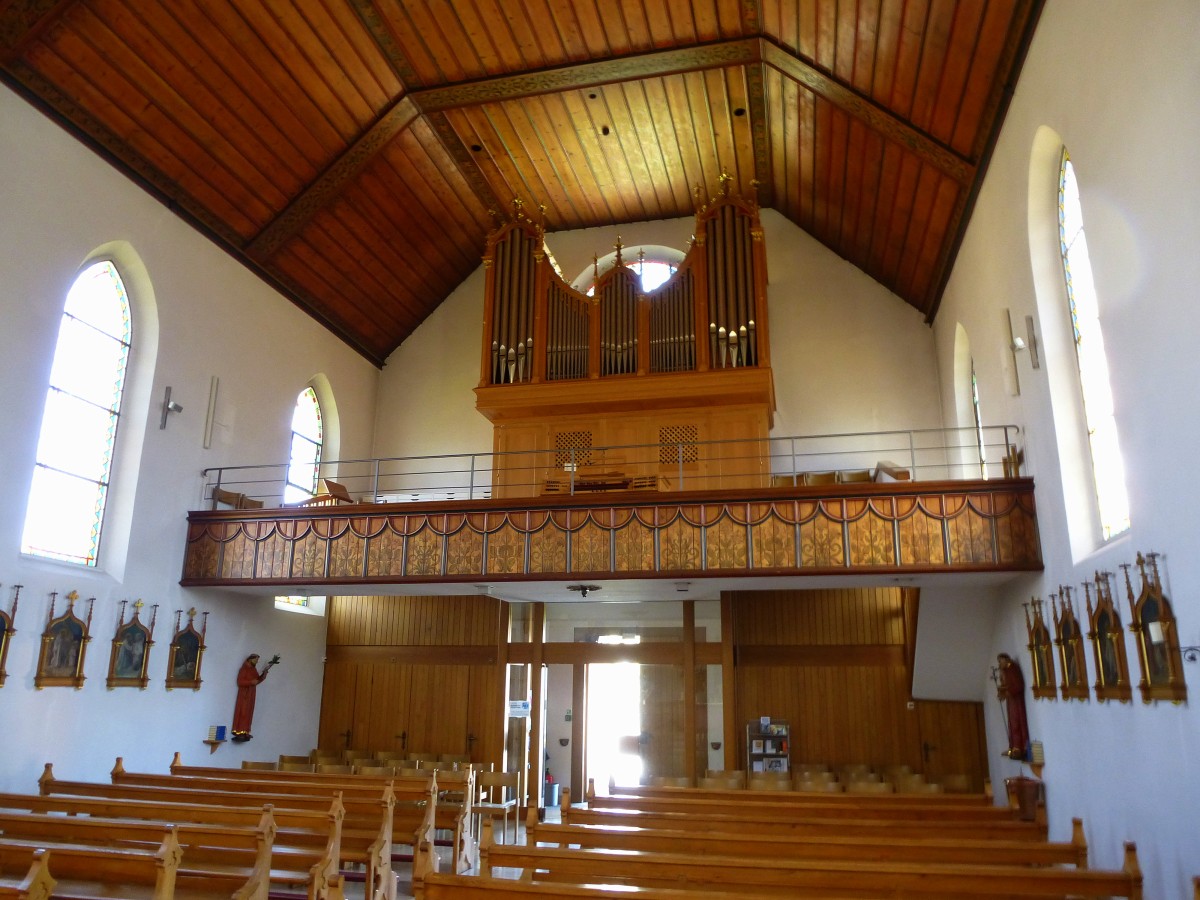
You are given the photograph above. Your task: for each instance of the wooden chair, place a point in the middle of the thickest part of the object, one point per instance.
(233, 500)
(265, 766)
(286, 758)
(811, 478)
(496, 794)
(853, 476)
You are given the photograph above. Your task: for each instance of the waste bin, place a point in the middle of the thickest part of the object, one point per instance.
(551, 794)
(1026, 792)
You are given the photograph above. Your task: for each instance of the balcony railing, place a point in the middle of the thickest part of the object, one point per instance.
(951, 454)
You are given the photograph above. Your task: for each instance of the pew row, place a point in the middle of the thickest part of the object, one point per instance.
(863, 879)
(830, 843)
(362, 836)
(82, 873)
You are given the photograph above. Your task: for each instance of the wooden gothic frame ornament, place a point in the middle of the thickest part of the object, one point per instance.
(187, 652)
(1107, 636)
(1152, 621)
(7, 630)
(1041, 653)
(64, 645)
(1069, 640)
(130, 656)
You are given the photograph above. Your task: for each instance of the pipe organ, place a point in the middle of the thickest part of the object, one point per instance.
(625, 367)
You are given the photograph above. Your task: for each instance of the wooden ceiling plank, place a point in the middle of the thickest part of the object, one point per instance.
(964, 38)
(681, 23)
(546, 184)
(741, 134)
(661, 116)
(805, 45)
(331, 181)
(405, 292)
(706, 144)
(887, 46)
(586, 14)
(720, 115)
(236, 113)
(684, 132)
(873, 115)
(748, 14)
(329, 273)
(634, 129)
(857, 137)
(908, 58)
(845, 38)
(1025, 14)
(298, 58)
(362, 40)
(454, 178)
(252, 91)
(906, 189)
(570, 202)
(822, 165)
(660, 24)
(499, 159)
(636, 23)
(806, 109)
(587, 202)
(838, 181)
(403, 42)
(579, 108)
(866, 46)
(148, 57)
(758, 127)
(868, 203)
(782, 125)
(825, 37)
(984, 72)
(935, 43)
(622, 151)
(486, 32)
(889, 179)
(456, 127)
(946, 200)
(562, 43)
(335, 52)
(616, 33)
(153, 136)
(538, 45)
(916, 229)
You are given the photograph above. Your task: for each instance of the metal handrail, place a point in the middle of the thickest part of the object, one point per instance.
(925, 454)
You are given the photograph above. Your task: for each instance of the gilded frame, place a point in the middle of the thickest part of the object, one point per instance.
(130, 656)
(1107, 636)
(1152, 621)
(187, 652)
(1041, 652)
(1068, 638)
(64, 646)
(7, 621)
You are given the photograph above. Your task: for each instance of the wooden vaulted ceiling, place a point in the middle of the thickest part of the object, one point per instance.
(352, 152)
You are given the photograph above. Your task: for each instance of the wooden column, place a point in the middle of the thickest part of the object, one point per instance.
(537, 743)
(730, 718)
(578, 730)
(689, 690)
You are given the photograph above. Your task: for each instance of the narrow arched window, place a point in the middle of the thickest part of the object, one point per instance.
(79, 425)
(978, 419)
(307, 441)
(1108, 466)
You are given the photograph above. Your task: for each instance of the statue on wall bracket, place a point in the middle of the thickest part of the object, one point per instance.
(248, 680)
(1010, 688)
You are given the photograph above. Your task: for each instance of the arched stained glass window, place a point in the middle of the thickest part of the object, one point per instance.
(1107, 463)
(79, 424)
(307, 439)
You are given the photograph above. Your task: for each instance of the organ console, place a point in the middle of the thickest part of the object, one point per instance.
(689, 359)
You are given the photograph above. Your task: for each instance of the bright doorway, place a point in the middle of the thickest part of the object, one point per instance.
(614, 724)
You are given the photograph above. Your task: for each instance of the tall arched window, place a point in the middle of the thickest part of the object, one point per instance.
(1107, 464)
(79, 424)
(307, 441)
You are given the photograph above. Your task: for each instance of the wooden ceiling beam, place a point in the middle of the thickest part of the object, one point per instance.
(21, 22)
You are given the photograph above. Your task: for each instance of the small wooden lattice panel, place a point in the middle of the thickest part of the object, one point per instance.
(678, 443)
(572, 446)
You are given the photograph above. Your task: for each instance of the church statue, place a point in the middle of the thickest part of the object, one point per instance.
(1010, 685)
(248, 680)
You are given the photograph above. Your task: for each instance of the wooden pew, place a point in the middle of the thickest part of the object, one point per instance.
(804, 877)
(35, 884)
(830, 844)
(363, 836)
(222, 859)
(146, 873)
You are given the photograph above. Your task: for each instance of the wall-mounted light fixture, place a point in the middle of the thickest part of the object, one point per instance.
(168, 406)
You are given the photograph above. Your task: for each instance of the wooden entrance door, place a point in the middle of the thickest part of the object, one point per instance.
(952, 741)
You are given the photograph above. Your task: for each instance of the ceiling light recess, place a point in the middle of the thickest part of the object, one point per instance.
(584, 589)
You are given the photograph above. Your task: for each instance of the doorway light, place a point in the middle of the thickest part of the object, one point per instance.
(618, 639)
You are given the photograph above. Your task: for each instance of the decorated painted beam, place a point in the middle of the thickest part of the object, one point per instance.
(974, 526)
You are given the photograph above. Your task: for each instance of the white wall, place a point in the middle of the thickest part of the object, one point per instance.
(60, 204)
(1120, 92)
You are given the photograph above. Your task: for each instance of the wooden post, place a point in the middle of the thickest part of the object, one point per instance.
(689, 690)
(728, 686)
(537, 744)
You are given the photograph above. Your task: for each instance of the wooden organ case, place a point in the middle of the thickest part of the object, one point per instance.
(623, 390)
